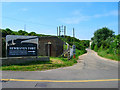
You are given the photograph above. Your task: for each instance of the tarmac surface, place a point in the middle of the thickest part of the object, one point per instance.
(91, 71)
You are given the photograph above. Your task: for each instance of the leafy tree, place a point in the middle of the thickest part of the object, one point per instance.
(21, 32)
(4, 33)
(32, 34)
(101, 35)
(9, 32)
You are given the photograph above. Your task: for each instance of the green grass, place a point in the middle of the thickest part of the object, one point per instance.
(65, 47)
(55, 62)
(104, 53)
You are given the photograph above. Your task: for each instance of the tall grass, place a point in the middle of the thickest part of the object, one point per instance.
(106, 54)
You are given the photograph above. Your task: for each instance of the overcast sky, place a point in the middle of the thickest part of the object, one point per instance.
(43, 18)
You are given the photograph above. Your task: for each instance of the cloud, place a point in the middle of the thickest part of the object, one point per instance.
(24, 9)
(114, 12)
(111, 13)
(74, 20)
(76, 12)
(78, 17)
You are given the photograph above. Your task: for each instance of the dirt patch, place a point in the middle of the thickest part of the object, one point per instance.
(56, 61)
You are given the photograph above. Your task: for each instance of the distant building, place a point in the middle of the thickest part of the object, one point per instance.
(50, 46)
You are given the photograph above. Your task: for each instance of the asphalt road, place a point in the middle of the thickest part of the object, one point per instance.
(91, 71)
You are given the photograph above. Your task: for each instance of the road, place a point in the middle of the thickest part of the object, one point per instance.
(91, 71)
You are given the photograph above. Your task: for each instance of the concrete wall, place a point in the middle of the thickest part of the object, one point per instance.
(56, 46)
(22, 60)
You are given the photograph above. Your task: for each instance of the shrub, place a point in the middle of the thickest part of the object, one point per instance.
(101, 47)
(92, 46)
(96, 48)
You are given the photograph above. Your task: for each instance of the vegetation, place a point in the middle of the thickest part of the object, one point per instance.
(80, 44)
(55, 62)
(8, 31)
(106, 43)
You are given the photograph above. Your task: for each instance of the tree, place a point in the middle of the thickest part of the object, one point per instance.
(9, 32)
(101, 48)
(101, 35)
(32, 34)
(4, 33)
(96, 48)
(21, 32)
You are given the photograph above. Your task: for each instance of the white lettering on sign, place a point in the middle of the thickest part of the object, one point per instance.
(24, 48)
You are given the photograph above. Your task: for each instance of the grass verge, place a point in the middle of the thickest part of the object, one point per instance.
(104, 53)
(55, 62)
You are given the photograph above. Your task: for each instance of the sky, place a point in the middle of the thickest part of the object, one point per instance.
(45, 17)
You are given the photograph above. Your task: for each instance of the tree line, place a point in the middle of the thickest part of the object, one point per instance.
(105, 39)
(8, 31)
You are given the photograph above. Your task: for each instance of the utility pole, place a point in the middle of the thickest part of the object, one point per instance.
(59, 31)
(64, 31)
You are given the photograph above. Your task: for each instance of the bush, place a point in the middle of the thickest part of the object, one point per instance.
(111, 49)
(96, 48)
(92, 46)
(79, 46)
(101, 47)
